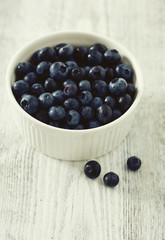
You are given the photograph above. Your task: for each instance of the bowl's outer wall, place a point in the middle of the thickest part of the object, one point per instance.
(66, 145)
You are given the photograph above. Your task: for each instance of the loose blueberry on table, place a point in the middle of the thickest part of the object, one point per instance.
(75, 87)
(134, 163)
(111, 179)
(92, 169)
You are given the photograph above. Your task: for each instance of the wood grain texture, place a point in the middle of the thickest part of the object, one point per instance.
(43, 198)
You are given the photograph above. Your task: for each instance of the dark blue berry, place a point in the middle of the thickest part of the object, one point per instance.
(80, 54)
(29, 103)
(20, 87)
(56, 113)
(96, 72)
(93, 123)
(84, 85)
(104, 114)
(71, 104)
(70, 65)
(98, 47)
(131, 90)
(42, 69)
(37, 89)
(111, 179)
(95, 58)
(96, 102)
(59, 96)
(117, 86)
(42, 116)
(50, 85)
(124, 70)
(99, 88)
(47, 54)
(70, 90)
(66, 52)
(58, 47)
(109, 74)
(112, 57)
(31, 78)
(72, 118)
(79, 127)
(133, 163)
(23, 68)
(86, 112)
(34, 58)
(92, 169)
(69, 81)
(58, 71)
(124, 102)
(46, 100)
(85, 97)
(77, 73)
(116, 113)
(110, 101)
(55, 123)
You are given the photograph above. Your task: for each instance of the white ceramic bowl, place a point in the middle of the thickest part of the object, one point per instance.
(73, 144)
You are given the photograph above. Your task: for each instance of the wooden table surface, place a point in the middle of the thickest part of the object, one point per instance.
(43, 198)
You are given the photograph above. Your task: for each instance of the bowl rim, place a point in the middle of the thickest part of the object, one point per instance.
(38, 123)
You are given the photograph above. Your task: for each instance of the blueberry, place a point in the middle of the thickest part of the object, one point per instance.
(109, 74)
(47, 54)
(42, 69)
(92, 169)
(79, 127)
(110, 101)
(85, 97)
(42, 116)
(99, 88)
(95, 58)
(34, 58)
(112, 57)
(29, 103)
(84, 85)
(87, 69)
(86, 112)
(50, 85)
(20, 87)
(57, 47)
(59, 96)
(117, 86)
(72, 118)
(70, 90)
(69, 81)
(116, 113)
(97, 72)
(96, 102)
(98, 47)
(71, 104)
(131, 90)
(31, 78)
(46, 100)
(133, 163)
(37, 89)
(23, 68)
(55, 124)
(70, 65)
(77, 73)
(80, 54)
(111, 179)
(124, 70)
(66, 52)
(56, 113)
(93, 123)
(104, 114)
(124, 102)
(58, 71)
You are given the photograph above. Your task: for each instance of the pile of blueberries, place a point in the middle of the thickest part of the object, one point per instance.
(74, 87)
(92, 170)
